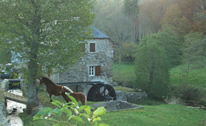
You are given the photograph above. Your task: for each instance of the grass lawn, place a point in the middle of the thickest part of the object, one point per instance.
(159, 115)
(178, 75)
(197, 77)
(126, 74)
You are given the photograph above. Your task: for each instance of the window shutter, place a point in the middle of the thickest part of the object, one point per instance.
(92, 47)
(97, 71)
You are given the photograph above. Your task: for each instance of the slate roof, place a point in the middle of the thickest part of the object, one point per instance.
(98, 34)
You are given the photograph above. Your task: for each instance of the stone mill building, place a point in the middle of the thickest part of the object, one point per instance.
(95, 65)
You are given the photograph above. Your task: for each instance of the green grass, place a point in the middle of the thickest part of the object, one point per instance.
(124, 89)
(197, 76)
(126, 75)
(160, 115)
(178, 75)
(157, 115)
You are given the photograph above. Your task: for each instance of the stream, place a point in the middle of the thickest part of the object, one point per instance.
(14, 109)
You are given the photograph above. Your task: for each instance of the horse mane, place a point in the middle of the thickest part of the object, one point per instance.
(48, 80)
(68, 89)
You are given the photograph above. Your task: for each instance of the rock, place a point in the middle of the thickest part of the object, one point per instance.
(116, 105)
(136, 97)
(133, 97)
(121, 96)
(3, 119)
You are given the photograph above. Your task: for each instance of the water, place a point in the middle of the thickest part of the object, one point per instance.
(14, 109)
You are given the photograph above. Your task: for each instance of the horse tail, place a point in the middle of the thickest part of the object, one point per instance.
(68, 89)
(85, 100)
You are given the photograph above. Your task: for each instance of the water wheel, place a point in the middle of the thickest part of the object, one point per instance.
(101, 92)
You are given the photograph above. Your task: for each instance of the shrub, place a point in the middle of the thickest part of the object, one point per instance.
(73, 113)
(189, 94)
(151, 70)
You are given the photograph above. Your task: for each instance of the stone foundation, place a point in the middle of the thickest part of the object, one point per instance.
(132, 97)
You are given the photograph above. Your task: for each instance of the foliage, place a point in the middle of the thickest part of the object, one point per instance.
(152, 69)
(45, 32)
(73, 113)
(5, 56)
(195, 48)
(127, 50)
(110, 20)
(174, 17)
(131, 9)
(171, 42)
(190, 95)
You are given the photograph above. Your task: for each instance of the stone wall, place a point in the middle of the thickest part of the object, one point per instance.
(103, 57)
(3, 119)
(132, 97)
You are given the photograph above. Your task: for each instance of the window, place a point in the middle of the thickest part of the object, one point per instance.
(92, 47)
(91, 70)
(94, 70)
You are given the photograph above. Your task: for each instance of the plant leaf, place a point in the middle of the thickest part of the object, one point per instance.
(99, 111)
(57, 104)
(77, 118)
(86, 108)
(102, 124)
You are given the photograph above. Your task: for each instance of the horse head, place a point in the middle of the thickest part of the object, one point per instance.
(41, 80)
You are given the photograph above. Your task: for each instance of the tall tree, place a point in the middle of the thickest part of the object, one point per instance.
(131, 9)
(45, 32)
(195, 48)
(195, 12)
(150, 15)
(151, 69)
(174, 17)
(172, 43)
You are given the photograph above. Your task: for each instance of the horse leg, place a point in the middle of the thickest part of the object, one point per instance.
(66, 98)
(50, 95)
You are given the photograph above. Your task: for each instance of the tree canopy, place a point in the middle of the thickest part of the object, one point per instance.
(45, 32)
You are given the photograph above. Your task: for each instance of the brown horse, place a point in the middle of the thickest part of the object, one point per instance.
(54, 89)
(79, 96)
(57, 90)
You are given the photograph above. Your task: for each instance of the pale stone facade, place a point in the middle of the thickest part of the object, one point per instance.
(103, 57)
(96, 65)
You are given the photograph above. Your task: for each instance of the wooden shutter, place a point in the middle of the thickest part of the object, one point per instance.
(97, 71)
(92, 47)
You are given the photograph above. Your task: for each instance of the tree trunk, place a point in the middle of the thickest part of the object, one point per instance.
(32, 92)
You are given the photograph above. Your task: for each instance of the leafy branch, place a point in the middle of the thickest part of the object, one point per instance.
(71, 111)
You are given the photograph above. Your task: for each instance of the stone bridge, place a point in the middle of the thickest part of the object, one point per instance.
(15, 98)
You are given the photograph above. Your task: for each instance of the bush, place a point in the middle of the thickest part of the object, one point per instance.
(72, 112)
(151, 70)
(190, 95)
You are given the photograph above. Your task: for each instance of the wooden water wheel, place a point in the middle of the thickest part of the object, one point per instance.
(101, 92)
